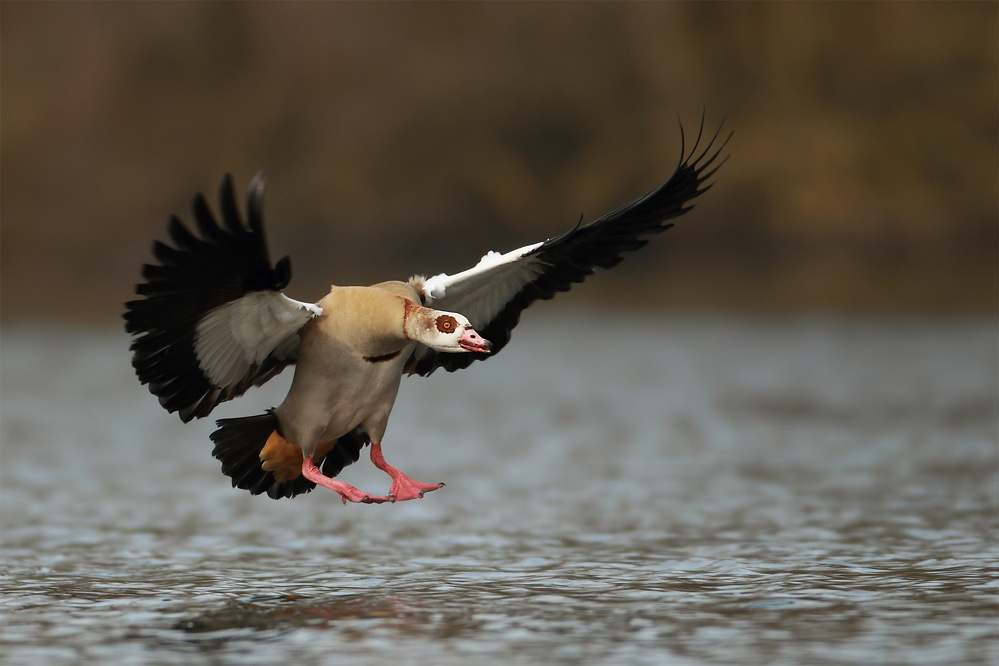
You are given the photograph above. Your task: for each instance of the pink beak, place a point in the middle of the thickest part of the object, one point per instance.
(472, 341)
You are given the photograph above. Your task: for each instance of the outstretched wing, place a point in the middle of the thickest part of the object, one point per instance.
(213, 321)
(493, 293)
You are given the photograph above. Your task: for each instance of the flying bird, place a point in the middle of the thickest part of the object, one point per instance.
(212, 321)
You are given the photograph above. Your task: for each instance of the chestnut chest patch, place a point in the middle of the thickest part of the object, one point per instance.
(383, 357)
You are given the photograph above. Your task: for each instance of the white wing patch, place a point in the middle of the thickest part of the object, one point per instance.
(234, 337)
(481, 292)
(436, 287)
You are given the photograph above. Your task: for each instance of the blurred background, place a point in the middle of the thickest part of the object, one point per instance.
(402, 138)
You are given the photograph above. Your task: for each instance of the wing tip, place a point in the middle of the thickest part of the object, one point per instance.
(255, 202)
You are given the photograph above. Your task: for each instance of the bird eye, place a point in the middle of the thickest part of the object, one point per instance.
(447, 324)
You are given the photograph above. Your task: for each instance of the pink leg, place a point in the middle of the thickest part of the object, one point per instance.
(403, 487)
(346, 491)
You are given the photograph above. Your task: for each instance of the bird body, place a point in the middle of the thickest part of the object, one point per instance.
(350, 365)
(214, 321)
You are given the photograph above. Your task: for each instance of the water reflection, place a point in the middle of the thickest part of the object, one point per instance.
(718, 492)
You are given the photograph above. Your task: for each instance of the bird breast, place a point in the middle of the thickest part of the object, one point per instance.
(349, 367)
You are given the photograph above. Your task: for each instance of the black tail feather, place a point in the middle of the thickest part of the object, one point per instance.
(346, 452)
(238, 443)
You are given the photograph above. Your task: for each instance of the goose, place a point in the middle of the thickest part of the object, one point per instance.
(212, 321)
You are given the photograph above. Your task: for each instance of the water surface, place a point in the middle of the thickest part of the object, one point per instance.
(639, 490)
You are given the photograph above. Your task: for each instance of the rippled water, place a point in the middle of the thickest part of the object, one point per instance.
(690, 490)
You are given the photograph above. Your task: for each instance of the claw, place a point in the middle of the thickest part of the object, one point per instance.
(403, 488)
(347, 492)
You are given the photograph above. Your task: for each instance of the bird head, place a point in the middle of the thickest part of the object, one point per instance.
(443, 331)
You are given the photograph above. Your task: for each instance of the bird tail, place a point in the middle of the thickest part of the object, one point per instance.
(239, 441)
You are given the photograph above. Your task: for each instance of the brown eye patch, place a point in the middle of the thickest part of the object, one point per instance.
(447, 324)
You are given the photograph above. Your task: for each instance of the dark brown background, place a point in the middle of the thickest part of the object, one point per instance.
(404, 138)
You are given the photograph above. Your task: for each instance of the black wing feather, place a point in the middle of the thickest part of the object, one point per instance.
(570, 257)
(192, 278)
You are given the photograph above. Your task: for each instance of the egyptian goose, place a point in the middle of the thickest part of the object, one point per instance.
(213, 321)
